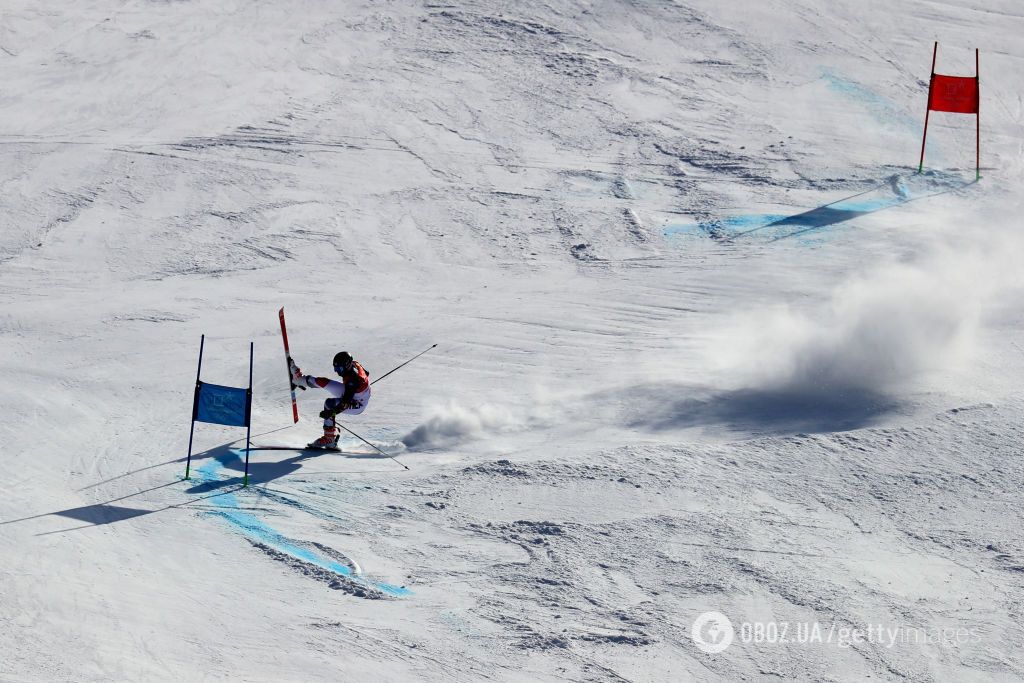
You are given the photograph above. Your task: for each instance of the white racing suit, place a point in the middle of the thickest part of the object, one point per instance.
(356, 381)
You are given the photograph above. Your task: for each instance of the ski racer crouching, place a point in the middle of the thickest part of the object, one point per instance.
(349, 396)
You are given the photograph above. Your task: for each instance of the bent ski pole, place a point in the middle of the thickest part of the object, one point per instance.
(369, 444)
(400, 366)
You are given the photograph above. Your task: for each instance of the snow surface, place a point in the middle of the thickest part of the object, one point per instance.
(706, 341)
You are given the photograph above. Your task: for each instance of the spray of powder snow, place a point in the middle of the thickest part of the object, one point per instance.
(453, 423)
(879, 331)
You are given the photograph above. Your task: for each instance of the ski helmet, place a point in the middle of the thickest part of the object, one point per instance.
(342, 361)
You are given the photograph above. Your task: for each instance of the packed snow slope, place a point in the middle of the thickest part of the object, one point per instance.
(706, 341)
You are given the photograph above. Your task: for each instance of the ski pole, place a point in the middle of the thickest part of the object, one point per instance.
(400, 366)
(369, 444)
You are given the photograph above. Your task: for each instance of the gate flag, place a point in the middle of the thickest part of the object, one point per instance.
(218, 404)
(958, 95)
(222, 405)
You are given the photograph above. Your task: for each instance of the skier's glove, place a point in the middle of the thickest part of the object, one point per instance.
(297, 378)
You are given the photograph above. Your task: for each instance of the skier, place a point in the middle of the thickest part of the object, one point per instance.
(349, 396)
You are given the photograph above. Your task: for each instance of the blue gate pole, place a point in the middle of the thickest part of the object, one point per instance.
(248, 419)
(195, 406)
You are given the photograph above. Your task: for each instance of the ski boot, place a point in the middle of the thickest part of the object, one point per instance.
(327, 442)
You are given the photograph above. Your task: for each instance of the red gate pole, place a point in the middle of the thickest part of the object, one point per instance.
(928, 109)
(977, 117)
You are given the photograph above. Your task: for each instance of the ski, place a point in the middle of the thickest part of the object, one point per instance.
(288, 363)
(304, 448)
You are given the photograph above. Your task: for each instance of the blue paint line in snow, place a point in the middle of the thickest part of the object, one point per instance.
(883, 109)
(724, 227)
(773, 225)
(768, 224)
(259, 531)
(868, 206)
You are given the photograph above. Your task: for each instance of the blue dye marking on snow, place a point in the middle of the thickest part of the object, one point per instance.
(868, 206)
(693, 229)
(776, 226)
(267, 535)
(881, 108)
(724, 228)
(773, 225)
